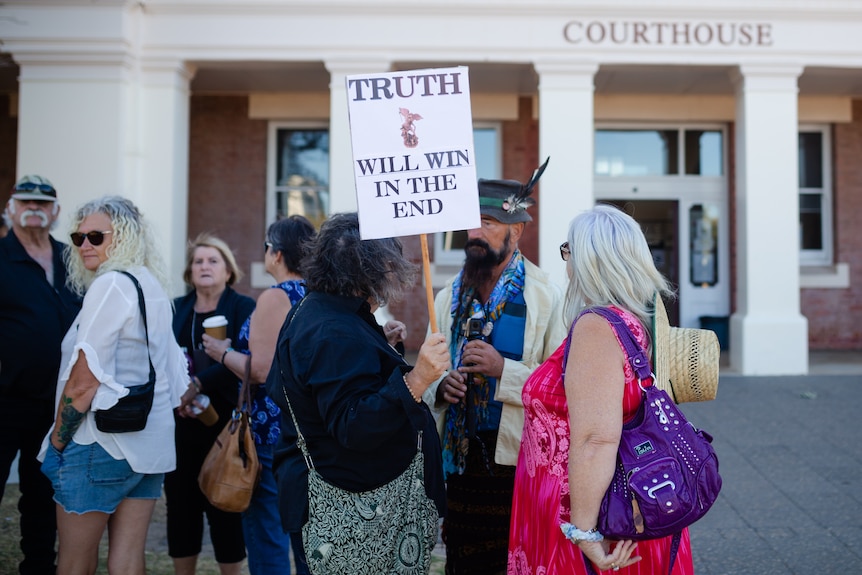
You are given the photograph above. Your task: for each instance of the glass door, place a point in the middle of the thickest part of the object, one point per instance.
(671, 180)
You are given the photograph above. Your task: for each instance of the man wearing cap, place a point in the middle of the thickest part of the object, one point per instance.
(502, 318)
(36, 310)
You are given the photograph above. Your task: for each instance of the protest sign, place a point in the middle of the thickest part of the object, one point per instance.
(413, 161)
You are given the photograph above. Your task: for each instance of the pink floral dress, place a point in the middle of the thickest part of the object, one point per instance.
(541, 500)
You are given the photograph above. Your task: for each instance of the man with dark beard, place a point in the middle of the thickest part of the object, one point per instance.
(36, 309)
(502, 318)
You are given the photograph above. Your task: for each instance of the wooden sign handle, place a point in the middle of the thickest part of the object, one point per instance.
(429, 290)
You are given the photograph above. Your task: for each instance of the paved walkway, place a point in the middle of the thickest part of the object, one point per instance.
(791, 462)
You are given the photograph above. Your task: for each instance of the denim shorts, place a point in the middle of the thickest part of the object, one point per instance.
(85, 478)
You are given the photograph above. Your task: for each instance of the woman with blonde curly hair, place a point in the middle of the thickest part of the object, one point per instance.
(112, 478)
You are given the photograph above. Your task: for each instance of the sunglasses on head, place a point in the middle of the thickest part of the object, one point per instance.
(30, 186)
(95, 238)
(565, 252)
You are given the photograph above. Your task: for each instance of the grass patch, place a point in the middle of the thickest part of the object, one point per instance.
(158, 561)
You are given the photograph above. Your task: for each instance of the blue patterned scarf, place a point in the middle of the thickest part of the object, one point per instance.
(465, 306)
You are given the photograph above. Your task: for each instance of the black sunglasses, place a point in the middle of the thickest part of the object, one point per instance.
(565, 252)
(95, 238)
(30, 186)
(266, 246)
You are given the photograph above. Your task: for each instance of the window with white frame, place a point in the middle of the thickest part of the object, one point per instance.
(299, 168)
(449, 246)
(815, 195)
(645, 152)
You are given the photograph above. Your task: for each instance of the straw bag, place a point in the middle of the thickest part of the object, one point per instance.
(685, 360)
(231, 471)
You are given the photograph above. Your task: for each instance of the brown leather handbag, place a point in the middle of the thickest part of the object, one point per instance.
(231, 471)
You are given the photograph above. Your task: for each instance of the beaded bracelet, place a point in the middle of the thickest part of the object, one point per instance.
(410, 389)
(576, 535)
(227, 351)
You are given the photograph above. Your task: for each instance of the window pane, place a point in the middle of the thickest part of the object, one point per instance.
(637, 152)
(811, 160)
(485, 150)
(811, 221)
(703, 234)
(302, 174)
(703, 153)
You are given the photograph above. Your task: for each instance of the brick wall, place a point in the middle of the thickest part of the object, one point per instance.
(8, 150)
(520, 158)
(227, 177)
(835, 315)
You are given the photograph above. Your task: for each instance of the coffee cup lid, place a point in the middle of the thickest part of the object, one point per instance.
(215, 321)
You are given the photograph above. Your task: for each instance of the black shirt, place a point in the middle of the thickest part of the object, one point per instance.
(346, 387)
(34, 317)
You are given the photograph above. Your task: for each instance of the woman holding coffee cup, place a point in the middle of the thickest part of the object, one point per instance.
(284, 246)
(211, 270)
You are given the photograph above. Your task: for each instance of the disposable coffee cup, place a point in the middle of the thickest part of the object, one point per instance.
(216, 326)
(207, 414)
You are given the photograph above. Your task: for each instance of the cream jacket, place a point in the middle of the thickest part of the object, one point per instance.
(545, 331)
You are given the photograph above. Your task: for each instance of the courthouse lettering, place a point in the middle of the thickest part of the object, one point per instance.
(668, 33)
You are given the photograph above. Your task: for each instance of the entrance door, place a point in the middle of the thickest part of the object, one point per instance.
(671, 180)
(659, 221)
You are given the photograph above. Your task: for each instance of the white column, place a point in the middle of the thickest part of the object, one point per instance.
(163, 157)
(73, 123)
(566, 136)
(768, 334)
(342, 186)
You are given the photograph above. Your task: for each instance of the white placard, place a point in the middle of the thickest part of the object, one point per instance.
(413, 161)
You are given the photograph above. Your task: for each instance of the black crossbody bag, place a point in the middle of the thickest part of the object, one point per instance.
(132, 411)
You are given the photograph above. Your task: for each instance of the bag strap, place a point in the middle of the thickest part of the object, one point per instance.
(674, 548)
(143, 307)
(243, 402)
(635, 353)
(638, 359)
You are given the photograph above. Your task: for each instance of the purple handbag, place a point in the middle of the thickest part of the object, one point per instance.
(667, 471)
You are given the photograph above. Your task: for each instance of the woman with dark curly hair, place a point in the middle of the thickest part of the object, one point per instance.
(356, 400)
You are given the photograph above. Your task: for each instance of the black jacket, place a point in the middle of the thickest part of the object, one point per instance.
(34, 317)
(346, 386)
(215, 379)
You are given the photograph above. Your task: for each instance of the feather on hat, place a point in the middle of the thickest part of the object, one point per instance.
(507, 200)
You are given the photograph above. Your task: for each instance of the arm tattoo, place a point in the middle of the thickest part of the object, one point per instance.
(70, 420)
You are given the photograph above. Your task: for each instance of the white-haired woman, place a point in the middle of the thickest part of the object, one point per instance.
(112, 479)
(575, 408)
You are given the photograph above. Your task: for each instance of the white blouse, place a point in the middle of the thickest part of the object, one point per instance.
(110, 332)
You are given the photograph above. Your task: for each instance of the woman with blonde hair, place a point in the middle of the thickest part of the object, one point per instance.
(211, 270)
(103, 478)
(575, 406)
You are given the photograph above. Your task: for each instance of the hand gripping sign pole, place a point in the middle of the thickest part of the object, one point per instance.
(412, 139)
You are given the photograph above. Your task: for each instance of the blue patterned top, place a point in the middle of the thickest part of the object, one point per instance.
(265, 413)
